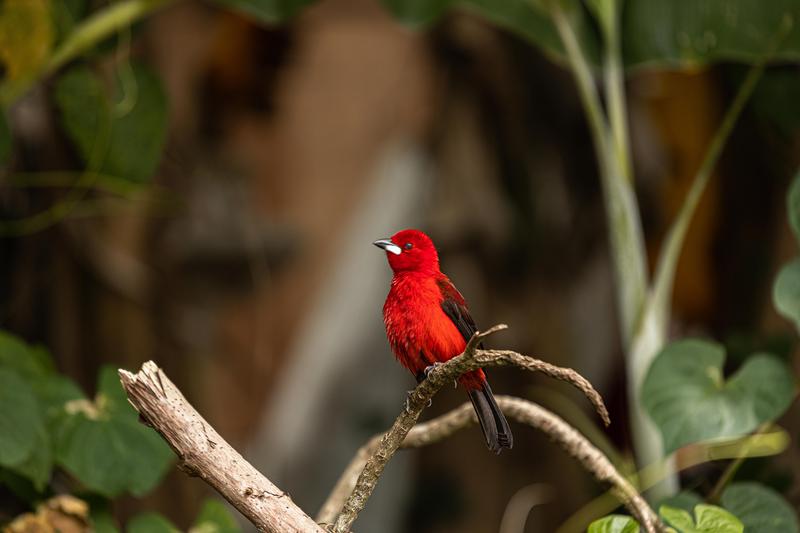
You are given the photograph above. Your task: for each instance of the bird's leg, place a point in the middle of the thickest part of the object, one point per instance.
(429, 368)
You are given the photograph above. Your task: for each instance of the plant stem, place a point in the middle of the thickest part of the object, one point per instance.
(90, 32)
(615, 94)
(622, 211)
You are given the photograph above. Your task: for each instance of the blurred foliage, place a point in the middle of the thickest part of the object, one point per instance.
(760, 508)
(707, 519)
(125, 129)
(46, 423)
(655, 33)
(786, 291)
(268, 11)
(688, 398)
(745, 507)
(26, 36)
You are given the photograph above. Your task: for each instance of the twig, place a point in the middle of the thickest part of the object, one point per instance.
(519, 410)
(203, 453)
(470, 360)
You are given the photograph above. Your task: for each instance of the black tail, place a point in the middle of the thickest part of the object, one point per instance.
(493, 423)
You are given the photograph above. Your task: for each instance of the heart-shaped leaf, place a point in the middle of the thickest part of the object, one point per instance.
(102, 443)
(687, 397)
(760, 508)
(614, 523)
(708, 519)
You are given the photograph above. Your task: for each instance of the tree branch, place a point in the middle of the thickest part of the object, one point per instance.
(203, 453)
(440, 375)
(519, 410)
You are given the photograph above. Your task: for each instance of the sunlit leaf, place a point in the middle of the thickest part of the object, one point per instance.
(760, 508)
(708, 519)
(688, 398)
(614, 523)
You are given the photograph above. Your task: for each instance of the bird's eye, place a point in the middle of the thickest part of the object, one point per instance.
(408, 246)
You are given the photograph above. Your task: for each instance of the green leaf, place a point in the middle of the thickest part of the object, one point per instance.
(533, 23)
(26, 360)
(709, 519)
(54, 393)
(416, 13)
(38, 466)
(150, 523)
(786, 292)
(691, 32)
(20, 419)
(614, 524)
(268, 11)
(687, 397)
(121, 135)
(104, 446)
(214, 517)
(760, 508)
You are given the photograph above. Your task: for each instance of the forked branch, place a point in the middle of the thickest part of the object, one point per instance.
(519, 410)
(418, 399)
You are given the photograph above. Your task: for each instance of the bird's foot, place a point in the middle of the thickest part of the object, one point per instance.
(428, 369)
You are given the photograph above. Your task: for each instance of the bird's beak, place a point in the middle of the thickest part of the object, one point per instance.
(388, 245)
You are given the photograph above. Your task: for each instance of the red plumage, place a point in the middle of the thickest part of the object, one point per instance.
(427, 321)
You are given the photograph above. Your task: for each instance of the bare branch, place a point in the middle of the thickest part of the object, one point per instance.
(470, 360)
(519, 410)
(203, 453)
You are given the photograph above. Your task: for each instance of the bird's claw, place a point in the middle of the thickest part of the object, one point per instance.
(429, 368)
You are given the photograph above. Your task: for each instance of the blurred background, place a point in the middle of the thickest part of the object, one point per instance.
(239, 258)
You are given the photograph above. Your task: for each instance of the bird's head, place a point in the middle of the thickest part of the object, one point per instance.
(410, 250)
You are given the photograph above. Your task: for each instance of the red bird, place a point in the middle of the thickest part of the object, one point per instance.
(427, 322)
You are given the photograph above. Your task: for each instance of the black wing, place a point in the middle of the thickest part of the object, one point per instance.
(455, 308)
